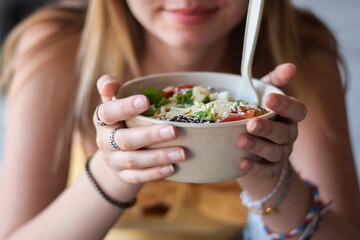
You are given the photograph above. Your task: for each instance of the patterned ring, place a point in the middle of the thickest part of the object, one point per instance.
(99, 122)
(113, 144)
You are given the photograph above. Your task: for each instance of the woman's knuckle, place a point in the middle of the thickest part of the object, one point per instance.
(153, 134)
(101, 143)
(302, 112)
(293, 133)
(156, 175)
(162, 157)
(106, 158)
(285, 135)
(275, 169)
(256, 170)
(270, 172)
(104, 114)
(122, 140)
(284, 106)
(131, 162)
(125, 106)
(287, 151)
(269, 130)
(134, 178)
(280, 154)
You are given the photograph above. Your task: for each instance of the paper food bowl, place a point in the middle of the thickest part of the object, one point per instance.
(212, 151)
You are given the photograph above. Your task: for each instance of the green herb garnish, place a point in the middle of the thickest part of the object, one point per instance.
(241, 101)
(203, 115)
(156, 98)
(206, 99)
(185, 99)
(154, 94)
(163, 101)
(262, 109)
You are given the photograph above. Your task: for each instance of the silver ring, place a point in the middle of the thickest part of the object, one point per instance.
(112, 142)
(99, 122)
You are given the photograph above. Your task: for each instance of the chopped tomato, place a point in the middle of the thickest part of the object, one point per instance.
(249, 114)
(233, 117)
(239, 109)
(236, 117)
(171, 93)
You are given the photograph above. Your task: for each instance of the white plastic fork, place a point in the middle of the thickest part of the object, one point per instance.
(247, 91)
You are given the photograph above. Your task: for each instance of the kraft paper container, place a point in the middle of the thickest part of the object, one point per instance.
(212, 151)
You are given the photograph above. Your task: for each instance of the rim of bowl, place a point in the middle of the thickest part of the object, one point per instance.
(270, 114)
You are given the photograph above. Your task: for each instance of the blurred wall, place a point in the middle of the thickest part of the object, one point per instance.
(13, 11)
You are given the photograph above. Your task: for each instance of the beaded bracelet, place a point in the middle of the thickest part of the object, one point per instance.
(314, 224)
(313, 213)
(109, 199)
(258, 204)
(311, 228)
(283, 193)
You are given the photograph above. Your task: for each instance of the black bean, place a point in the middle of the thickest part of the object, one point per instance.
(182, 118)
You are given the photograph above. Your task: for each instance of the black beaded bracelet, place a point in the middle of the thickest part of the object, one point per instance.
(109, 199)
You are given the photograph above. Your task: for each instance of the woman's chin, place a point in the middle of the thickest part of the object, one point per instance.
(190, 42)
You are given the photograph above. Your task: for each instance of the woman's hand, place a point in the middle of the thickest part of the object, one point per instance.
(133, 164)
(273, 140)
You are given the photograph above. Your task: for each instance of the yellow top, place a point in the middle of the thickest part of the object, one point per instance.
(172, 210)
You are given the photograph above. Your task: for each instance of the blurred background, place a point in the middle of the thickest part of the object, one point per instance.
(341, 16)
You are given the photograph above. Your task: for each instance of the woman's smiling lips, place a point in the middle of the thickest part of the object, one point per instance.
(190, 15)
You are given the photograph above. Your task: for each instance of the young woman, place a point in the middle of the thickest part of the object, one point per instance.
(53, 61)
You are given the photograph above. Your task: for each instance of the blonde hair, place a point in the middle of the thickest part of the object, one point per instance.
(112, 43)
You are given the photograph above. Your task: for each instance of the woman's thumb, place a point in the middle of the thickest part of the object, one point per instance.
(107, 87)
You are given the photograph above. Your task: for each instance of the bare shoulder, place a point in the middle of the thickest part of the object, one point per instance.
(45, 43)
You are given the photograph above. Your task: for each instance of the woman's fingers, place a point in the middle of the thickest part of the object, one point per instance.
(267, 150)
(277, 132)
(273, 140)
(281, 75)
(137, 176)
(107, 87)
(122, 109)
(259, 169)
(287, 107)
(128, 139)
(144, 158)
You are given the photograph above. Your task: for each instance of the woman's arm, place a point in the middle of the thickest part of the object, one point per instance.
(36, 161)
(323, 152)
(33, 202)
(262, 178)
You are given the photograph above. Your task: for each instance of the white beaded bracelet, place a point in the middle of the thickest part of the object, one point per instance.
(258, 204)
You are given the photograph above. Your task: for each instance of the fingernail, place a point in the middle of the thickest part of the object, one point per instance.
(274, 103)
(167, 132)
(139, 102)
(248, 144)
(291, 64)
(177, 156)
(111, 80)
(167, 170)
(257, 126)
(246, 165)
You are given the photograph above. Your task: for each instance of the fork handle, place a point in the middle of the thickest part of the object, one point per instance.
(253, 21)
